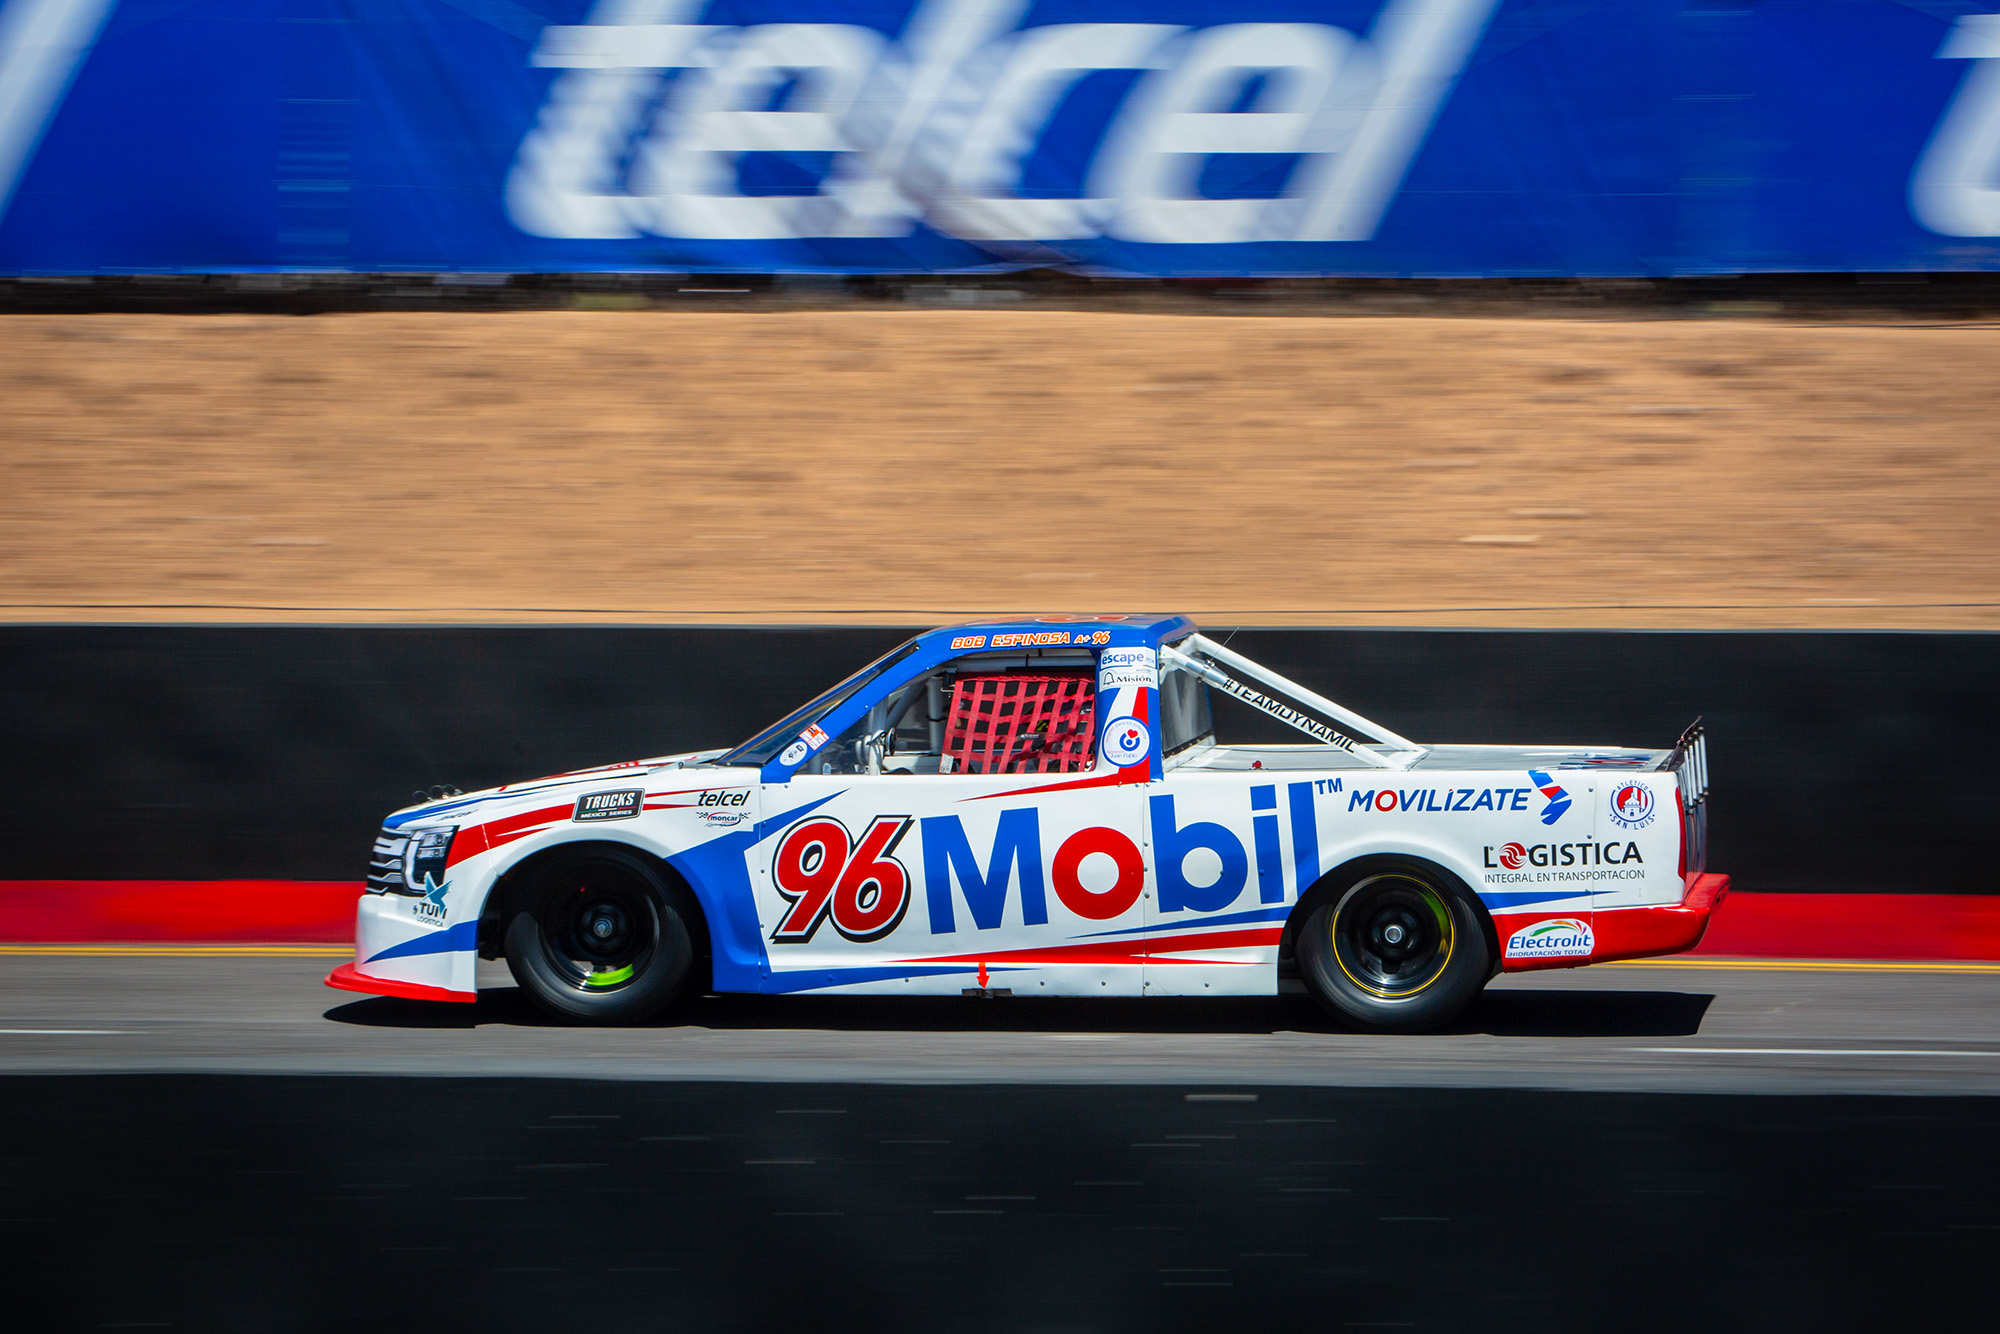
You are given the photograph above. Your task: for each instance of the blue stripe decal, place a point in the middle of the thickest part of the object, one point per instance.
(449, 808)
(767, 827)
(455, 807)
(1520, 898)
(1232, 919)
(784, 983)
(464, 936)
(718, 871)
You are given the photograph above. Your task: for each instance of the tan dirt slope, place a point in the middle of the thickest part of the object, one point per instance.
(910, 466)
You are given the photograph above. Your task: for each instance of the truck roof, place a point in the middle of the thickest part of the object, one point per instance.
(1128, 630)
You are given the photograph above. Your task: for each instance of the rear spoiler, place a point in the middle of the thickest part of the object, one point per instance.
(1689, 763)
(1689, 759)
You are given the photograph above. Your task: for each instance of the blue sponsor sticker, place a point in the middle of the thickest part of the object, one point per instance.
(1127, 742)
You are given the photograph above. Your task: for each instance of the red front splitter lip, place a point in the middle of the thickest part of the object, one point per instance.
(348, 978)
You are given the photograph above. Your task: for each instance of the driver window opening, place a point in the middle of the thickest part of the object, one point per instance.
(1185, 717)
(1008, 713)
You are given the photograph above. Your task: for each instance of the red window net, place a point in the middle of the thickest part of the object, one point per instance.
(1018, 724)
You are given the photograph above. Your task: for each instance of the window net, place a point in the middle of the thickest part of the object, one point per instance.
(1020, 724)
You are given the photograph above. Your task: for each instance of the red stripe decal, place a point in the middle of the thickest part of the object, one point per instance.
(1073, 785)
(1119, 951)
(504, 831)
(468, 842)
(1248, 938)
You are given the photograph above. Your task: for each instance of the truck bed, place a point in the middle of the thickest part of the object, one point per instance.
(1289, 758)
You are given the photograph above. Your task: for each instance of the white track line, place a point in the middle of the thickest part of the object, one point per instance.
(1808, 1051)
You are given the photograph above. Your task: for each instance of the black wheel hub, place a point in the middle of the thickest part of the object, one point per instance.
(1393, 935)
(605, 930)
(600, 928)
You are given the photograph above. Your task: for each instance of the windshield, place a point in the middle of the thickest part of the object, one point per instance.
(758, 750)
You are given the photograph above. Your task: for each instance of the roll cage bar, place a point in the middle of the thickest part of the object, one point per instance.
(1207, 659)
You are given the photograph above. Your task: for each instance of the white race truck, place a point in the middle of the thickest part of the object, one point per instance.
(1042, 808)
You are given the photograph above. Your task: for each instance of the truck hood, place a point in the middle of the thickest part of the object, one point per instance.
(447, 809)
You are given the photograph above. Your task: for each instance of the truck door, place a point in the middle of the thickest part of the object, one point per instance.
(1222, 881)
(964, 834)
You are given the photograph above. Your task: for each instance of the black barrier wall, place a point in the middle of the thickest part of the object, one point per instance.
(281, 1204)
(1841, 761)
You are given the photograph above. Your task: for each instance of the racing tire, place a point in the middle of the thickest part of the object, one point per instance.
(598, 938)
(1398, 948)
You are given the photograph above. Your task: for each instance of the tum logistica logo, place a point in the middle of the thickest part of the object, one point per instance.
(1588, 852)
(662, 125)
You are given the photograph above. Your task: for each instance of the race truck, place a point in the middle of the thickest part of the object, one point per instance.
(1043, 808)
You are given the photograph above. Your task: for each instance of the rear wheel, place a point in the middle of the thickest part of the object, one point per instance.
(596, 937)
(1399, 949)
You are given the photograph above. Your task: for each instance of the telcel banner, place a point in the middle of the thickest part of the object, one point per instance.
(1172, 137)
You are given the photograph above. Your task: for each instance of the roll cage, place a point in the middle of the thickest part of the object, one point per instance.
(899, 704)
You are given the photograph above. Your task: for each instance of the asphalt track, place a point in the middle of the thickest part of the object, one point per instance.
(219, 1143)
(1708, 1026)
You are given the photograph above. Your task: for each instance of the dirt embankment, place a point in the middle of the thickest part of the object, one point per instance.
(921, 465)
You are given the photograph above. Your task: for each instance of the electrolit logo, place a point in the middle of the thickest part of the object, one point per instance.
(1557, 938)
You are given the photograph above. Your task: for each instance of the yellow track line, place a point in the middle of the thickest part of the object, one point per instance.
(1810, 965)
(184, 951)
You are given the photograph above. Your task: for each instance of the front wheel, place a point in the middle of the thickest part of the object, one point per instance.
(596, 937)
(1399, 949)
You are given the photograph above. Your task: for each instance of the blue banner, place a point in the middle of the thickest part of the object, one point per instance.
(1431, 138)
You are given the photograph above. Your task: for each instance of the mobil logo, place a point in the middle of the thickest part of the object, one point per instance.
(863, 884)
(1202, 866)
(824, 873)
(1015, 859)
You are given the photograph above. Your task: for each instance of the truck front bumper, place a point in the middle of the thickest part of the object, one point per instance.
(394, 955)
